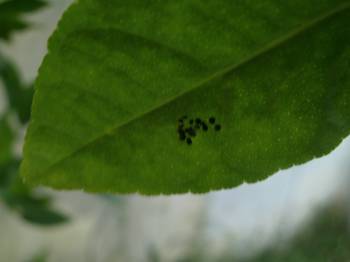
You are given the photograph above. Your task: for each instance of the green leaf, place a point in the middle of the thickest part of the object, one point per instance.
(10, 15)
(34, 208)
(19, 95)
(6, 141)
(41, 256)
(43, 216)
(8, 173)
(119, 74)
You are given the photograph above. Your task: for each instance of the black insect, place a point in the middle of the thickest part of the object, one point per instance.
(182, 135)
(189, 141)
(190, 131)
(204, 127)
(217, 127)
(189, 128)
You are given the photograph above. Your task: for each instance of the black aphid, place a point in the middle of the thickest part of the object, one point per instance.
(212, 120)
(189, 141)
(217, 127)
(191, 131)
(204, 127)
(182, 136)
(188, 128)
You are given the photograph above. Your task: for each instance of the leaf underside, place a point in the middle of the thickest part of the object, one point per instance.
(119, 74)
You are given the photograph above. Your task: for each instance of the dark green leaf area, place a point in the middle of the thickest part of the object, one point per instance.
(20, 6)
(8, 172)
(19, 95)
(34, 208)
(42, 216)
(280, 87)
(6, 140)
(11, 12)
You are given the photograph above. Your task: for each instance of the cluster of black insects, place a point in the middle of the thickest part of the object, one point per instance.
(188, 128)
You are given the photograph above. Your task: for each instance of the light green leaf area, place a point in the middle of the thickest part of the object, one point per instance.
(119, 75)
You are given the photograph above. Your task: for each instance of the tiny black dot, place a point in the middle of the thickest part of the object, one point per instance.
(198, 121)
(212, 120)
(204, 127)
(181, 121)
(184, 117)
(217, 127)
(191, 121)
(189, 141)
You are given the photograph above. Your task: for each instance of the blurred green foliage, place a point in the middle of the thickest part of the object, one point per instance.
(39, 257)
(5, 142)
(327, 239)
(14, 194)
(19, 94)
(11, 12)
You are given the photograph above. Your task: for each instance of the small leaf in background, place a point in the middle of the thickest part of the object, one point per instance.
(33, 208)
(20, 96)
(6, 140)
(11, 12)
(43, 216)
(326, 240)
(8, 173)
(105, 117)
(40, 257)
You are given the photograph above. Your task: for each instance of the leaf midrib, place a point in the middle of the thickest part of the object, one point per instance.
(269, 47)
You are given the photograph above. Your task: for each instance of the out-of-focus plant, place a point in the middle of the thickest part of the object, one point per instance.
(11, 12)
(327, 239)
(32, 206)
